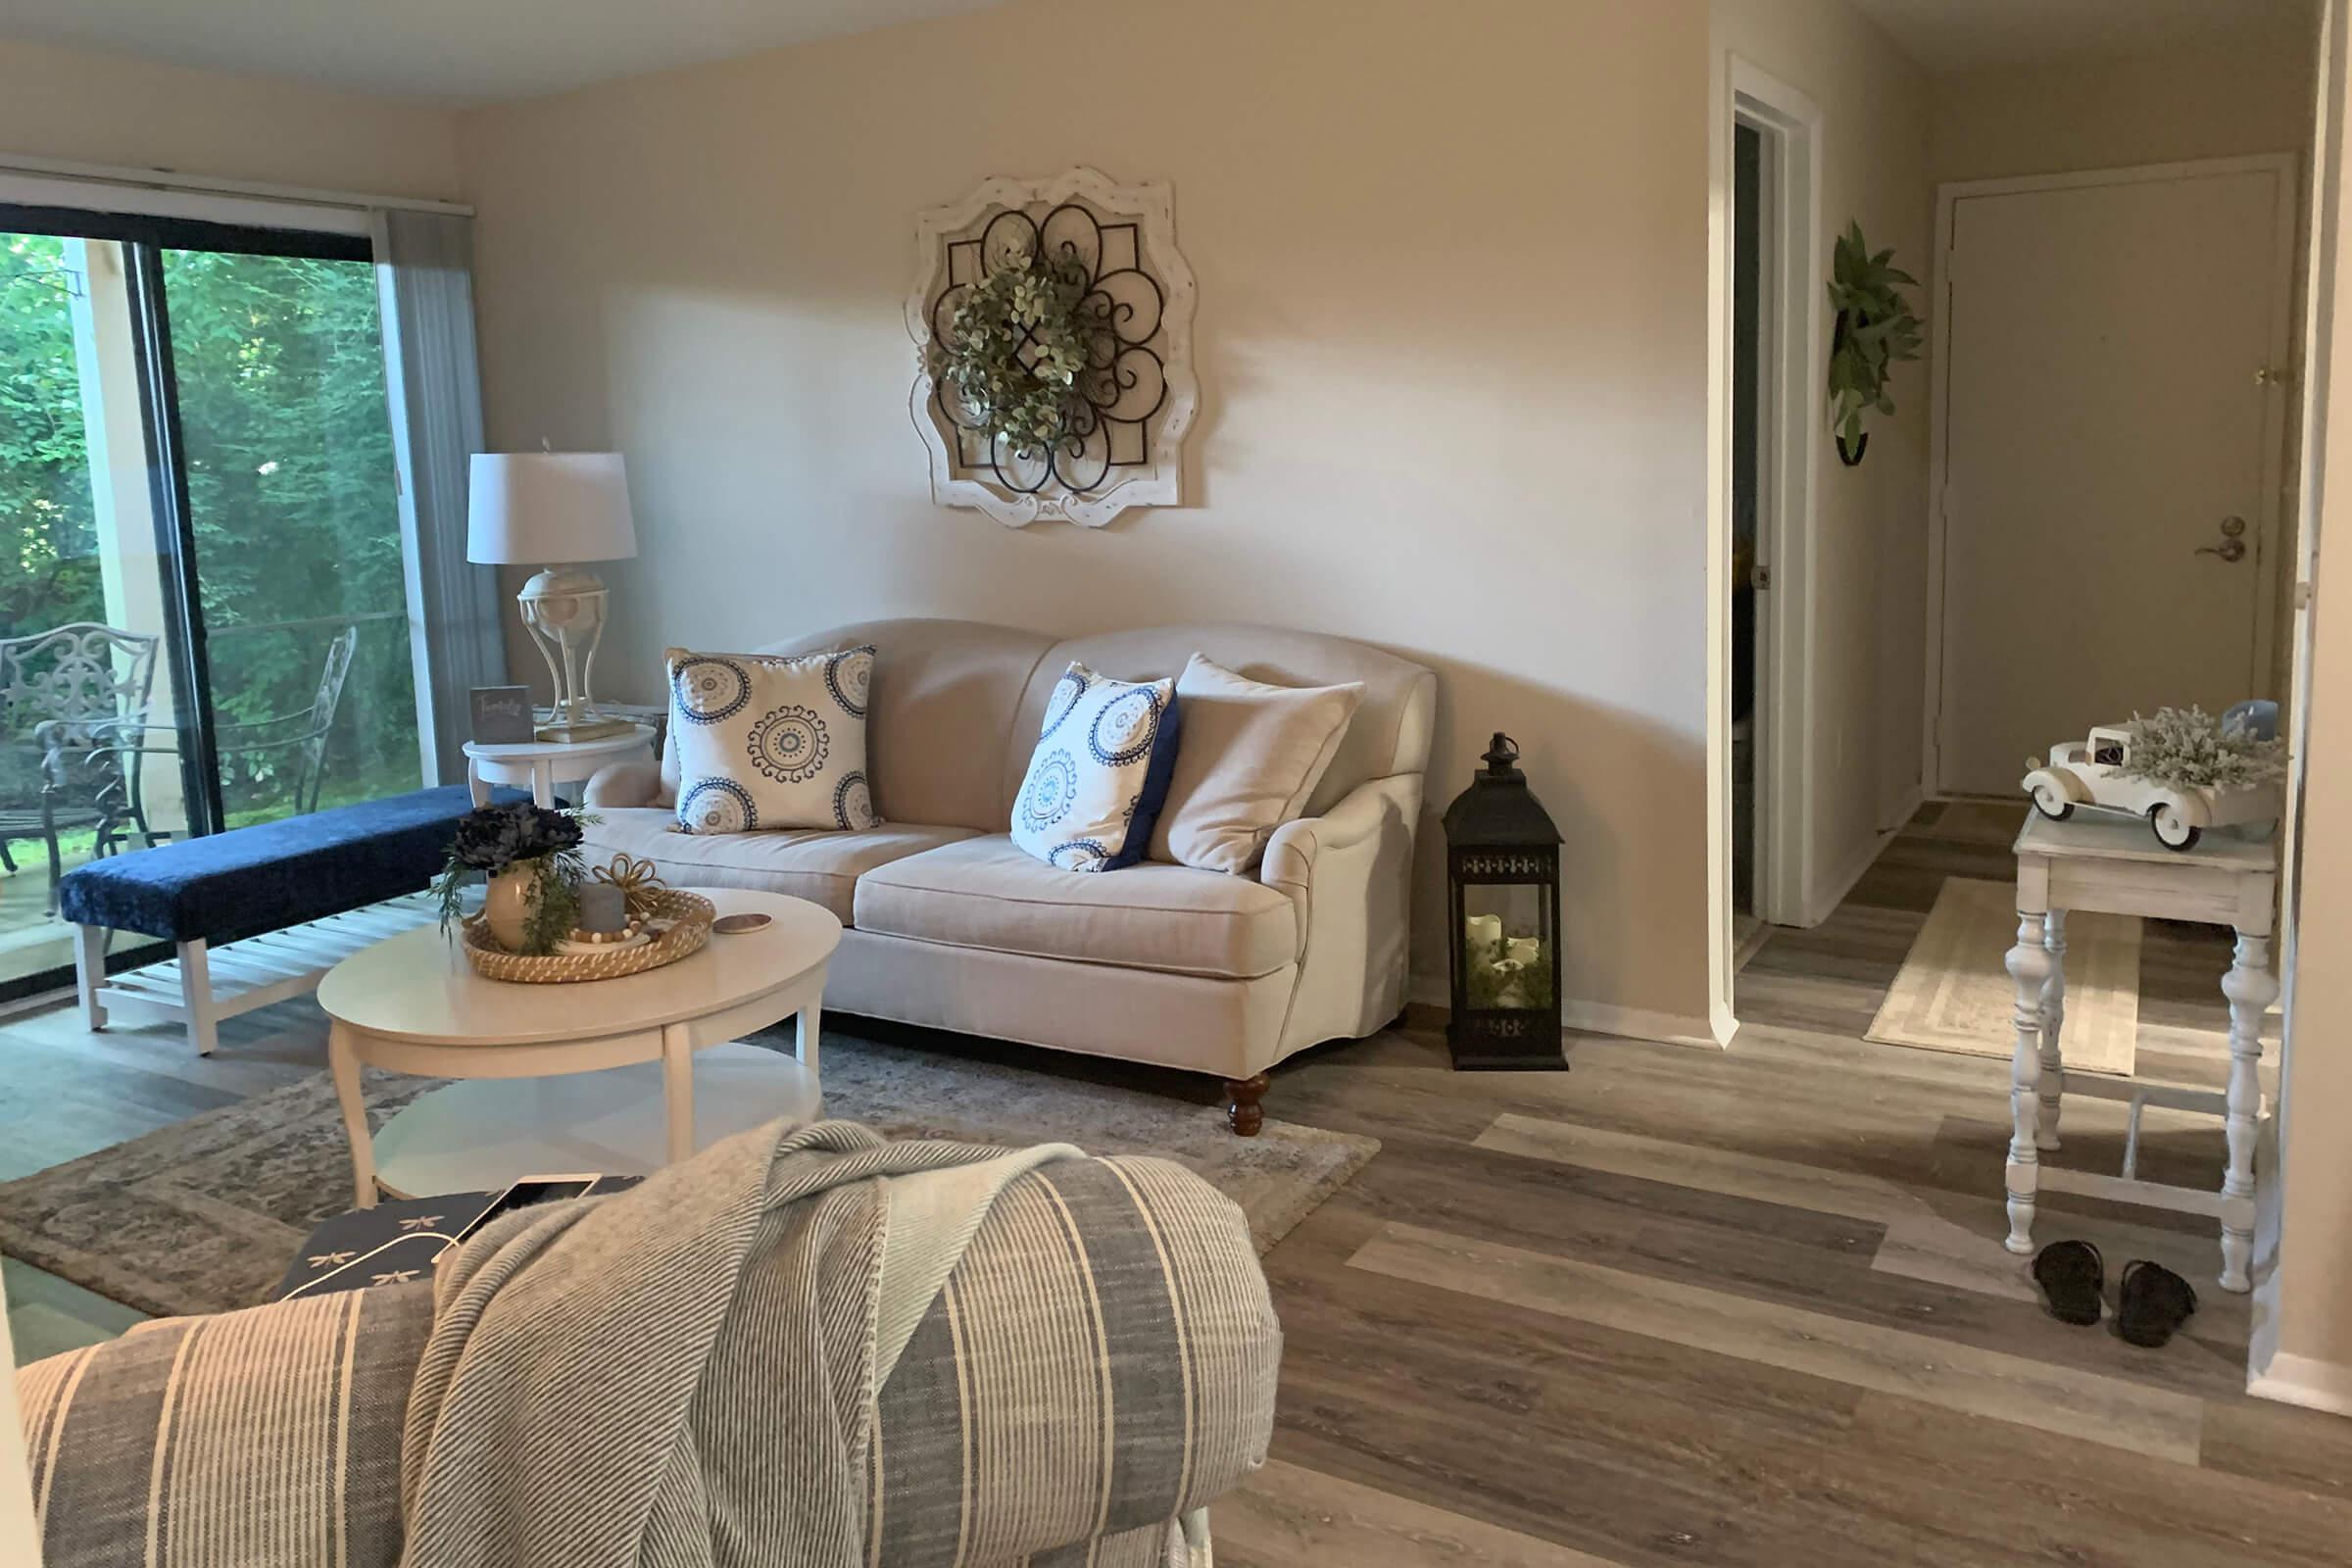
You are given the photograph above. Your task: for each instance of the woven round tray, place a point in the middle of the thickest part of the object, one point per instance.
(690, 915)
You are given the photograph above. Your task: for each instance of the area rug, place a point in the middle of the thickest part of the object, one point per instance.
(202, 1215)
(1953, 993)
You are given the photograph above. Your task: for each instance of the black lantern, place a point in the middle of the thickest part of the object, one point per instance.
(1503, 871)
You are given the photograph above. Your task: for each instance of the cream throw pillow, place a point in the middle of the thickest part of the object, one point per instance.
(771, 743)
(1250, 757)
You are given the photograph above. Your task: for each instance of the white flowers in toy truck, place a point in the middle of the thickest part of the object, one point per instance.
(2183, 771)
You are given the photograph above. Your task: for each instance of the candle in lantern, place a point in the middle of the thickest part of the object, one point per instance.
(1524, 950)
(1482, 934)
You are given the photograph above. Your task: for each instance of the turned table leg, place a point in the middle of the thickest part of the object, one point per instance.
(2054, 1023)
(1243, 1110)
(677, 1091)
(343, 1062)
(2251, 989)
(2028, 965)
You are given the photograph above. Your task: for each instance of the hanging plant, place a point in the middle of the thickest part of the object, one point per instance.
(1876, 330)
(1016, 345)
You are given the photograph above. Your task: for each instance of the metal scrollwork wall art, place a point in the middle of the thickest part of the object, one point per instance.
(1112, 332)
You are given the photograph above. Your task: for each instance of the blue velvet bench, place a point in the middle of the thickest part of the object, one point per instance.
(258, 913)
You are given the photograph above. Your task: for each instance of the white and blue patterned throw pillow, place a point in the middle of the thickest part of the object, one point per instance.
(1100, 772)
(771, 743)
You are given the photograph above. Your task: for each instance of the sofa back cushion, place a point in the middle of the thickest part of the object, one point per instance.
(1390, 733)
(957, 703)
(940, 715)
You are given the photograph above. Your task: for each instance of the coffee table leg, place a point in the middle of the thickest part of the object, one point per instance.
(678, 1090)
(344, 1063)
(804, 1031)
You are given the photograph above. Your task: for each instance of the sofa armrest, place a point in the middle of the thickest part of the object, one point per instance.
(1348, 877)
(624, 785)
(271, 1417)
(1291, 852)
(1109, 1326)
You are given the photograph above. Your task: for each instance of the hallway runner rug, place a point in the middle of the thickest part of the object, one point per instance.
(1954, 992)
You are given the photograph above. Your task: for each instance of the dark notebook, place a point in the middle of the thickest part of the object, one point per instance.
(394, 1242)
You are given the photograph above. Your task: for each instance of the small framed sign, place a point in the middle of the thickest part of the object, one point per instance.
(501, 716)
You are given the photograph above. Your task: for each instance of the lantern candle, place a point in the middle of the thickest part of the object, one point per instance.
(1523, 951)
(1483, 933)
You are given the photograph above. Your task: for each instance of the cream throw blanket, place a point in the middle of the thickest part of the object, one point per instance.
(685, 1373)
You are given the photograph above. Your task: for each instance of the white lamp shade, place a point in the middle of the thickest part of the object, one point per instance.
(544, 507)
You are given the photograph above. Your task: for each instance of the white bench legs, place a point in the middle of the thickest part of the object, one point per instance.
(196, 999)
(89, 974)
(203, 984)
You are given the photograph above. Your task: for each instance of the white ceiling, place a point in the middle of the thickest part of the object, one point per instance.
(1947, 36)
(474, 51)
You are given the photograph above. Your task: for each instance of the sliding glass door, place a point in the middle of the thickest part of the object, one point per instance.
(203, 606)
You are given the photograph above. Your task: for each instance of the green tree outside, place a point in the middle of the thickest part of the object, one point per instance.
(291, 492)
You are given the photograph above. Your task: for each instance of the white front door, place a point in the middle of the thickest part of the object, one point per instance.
(2111, 440)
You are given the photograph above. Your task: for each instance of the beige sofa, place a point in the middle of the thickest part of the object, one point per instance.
(951, 926)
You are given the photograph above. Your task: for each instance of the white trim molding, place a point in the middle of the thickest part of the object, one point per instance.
(1643, 1023)
(1600, 1018)
(2303, 1379)
(1133, 455)
(1788, 459)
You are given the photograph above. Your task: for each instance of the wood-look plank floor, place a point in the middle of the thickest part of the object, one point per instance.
(1675, 1306)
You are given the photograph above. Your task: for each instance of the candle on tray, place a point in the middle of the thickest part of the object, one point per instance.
(603, 909)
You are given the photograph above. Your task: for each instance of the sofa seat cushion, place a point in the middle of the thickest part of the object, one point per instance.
(988, 893)
(820, 865)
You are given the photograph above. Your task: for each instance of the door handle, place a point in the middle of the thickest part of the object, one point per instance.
(2233, 548)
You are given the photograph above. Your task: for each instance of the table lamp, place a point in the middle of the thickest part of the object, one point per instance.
(551, 508)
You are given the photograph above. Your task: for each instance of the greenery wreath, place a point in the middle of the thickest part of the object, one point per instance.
(1016, 347)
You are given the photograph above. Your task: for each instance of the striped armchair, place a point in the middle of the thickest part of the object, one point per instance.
(1099, 1368)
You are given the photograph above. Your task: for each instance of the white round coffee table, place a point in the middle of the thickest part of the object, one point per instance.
(541, 766)
(600, 1075)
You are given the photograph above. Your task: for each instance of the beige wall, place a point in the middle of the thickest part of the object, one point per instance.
(105, 109)
(1869, 553)
(1450, 341)
(2215, 101)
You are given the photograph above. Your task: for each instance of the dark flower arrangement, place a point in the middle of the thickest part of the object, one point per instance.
(516, 837)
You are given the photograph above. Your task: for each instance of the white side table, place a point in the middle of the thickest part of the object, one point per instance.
(542, 766)
(646, 1048)
(2112, 866)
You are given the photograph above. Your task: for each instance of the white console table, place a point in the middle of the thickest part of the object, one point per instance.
(2113, 866)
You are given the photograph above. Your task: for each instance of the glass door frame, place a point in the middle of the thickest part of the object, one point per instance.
(144, 239)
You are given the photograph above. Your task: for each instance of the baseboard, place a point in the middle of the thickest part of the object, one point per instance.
(1430, 1005)
(1818, 909)
(2306, 1381)
(1640, 1023)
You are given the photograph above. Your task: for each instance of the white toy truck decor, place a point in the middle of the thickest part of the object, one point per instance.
(2094, 772)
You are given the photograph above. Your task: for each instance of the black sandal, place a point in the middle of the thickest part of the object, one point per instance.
(2150, 1303)
(2070, 1274)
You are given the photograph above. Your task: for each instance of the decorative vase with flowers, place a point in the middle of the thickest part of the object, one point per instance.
(530, 857)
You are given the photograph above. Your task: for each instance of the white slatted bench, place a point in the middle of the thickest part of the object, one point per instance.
(257, 914)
